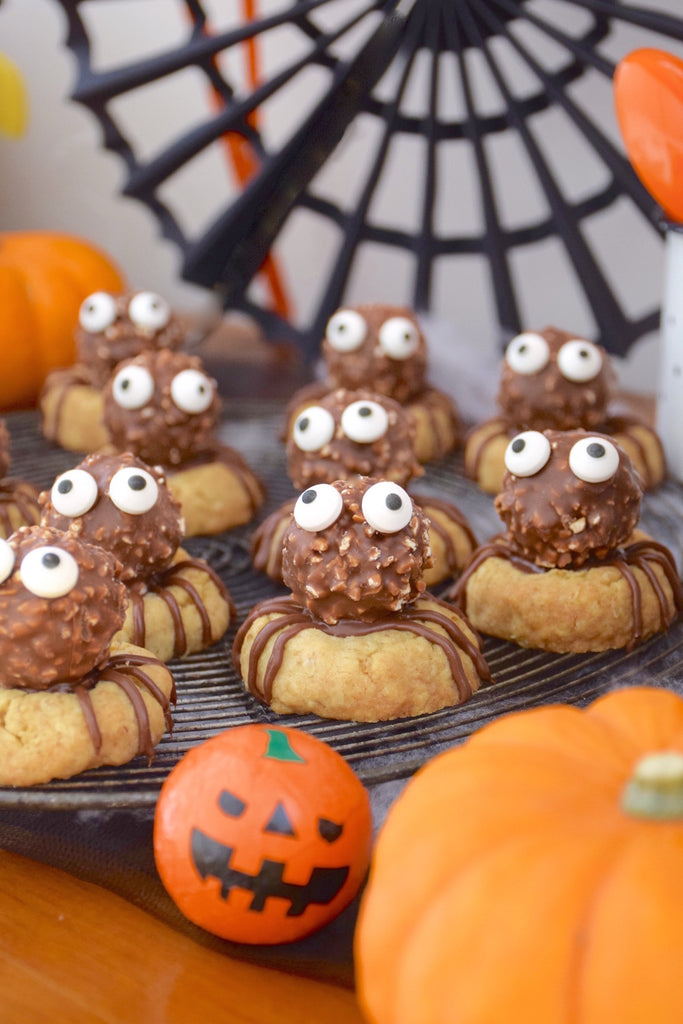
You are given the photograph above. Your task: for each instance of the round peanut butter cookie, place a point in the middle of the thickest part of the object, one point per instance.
(412, 663)
(359, 639)
(552, 380)
(570, 574)
(451, 540)
(71, 410)
(119, 712)
(164, 407)
(18, 499)
(69, 698)
(181, 610)
(177, 605)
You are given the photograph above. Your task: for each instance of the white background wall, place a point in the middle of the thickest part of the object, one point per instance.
(59, 177)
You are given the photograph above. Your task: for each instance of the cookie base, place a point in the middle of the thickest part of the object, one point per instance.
(215, 494)
(485, 447)
(423, 659)
(71, 410)
(182, 611)
(569, 611)
(18, 506)
(46, 734)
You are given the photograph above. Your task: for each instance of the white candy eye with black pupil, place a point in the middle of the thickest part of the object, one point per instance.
(399, 337)
(527, 354)
(49, 572)
(133, 490)
(387, 508)
(97, 312)
(6, 560)
(149, 311)
(73, 493)
(346, 330)
(527, 453)
(132, 387)
(579, 361)
(594, 459)
(192, 391)
(318, 507)
(314, 428)
(365, 422)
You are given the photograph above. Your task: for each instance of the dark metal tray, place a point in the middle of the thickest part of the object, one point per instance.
(211, 697)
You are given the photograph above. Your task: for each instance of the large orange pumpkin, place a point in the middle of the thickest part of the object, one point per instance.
(44, 277)
(535, 874)
(262, 834)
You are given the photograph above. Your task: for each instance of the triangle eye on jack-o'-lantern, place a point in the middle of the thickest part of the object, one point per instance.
(262, 834)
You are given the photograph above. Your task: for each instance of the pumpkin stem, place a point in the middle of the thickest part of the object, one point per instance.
(655, 790)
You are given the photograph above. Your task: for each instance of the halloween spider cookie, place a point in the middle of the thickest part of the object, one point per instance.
(358, 639)
(163, 407)
(70, 698)
(382, 347)
(572, 573)
(177, 605)
(110, 328)
(18, 499)
(354, 434)
(553, 380)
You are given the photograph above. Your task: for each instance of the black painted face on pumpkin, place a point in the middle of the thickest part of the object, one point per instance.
(213, 858)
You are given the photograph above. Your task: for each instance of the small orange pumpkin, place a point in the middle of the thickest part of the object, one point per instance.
(44, 277)
(535, 874)
(262, 834)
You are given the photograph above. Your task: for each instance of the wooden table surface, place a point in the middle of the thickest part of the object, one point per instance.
(72, 952)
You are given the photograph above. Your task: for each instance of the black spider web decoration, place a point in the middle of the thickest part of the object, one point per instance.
(228, 254)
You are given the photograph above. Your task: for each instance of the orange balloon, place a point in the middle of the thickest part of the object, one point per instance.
(648, 94)
(262, 834)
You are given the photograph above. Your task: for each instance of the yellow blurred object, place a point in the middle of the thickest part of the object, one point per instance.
(13, 99)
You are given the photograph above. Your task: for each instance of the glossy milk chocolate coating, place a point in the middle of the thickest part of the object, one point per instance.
(370, 366)
(145, 543)
(160, 432)
(101, 351)
(548, 400)
(557, 520)
(391, 456)
(349, 570)
(44, 641)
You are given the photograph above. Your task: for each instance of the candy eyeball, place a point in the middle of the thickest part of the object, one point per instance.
(132, 387)
(6, 560)
(133, 490)
(594, 460)
(365, 421)
(399, 337)
(74, 493)
(192, 391)
(314, 428)
(387, 508)
(49, 572)
(579, 361)
(97, 312)
(318, 507)
(527, 453)
(346, 330)
(149, 311)
(527, 354)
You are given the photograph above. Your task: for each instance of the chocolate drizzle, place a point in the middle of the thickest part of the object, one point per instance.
(159, 584)
(452, 513)
(61, 381)
(639, 554)
(23, 497)
(292, 619)
(124, 670)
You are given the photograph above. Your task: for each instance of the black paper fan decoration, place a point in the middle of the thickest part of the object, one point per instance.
(477, 91)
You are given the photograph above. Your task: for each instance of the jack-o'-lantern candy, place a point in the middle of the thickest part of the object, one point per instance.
(262, 834)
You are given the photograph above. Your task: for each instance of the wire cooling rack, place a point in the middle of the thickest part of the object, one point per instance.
(211, 697)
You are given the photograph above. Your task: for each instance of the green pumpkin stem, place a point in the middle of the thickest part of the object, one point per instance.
(655, 790)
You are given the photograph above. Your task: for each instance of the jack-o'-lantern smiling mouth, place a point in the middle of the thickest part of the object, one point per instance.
(212, 859)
